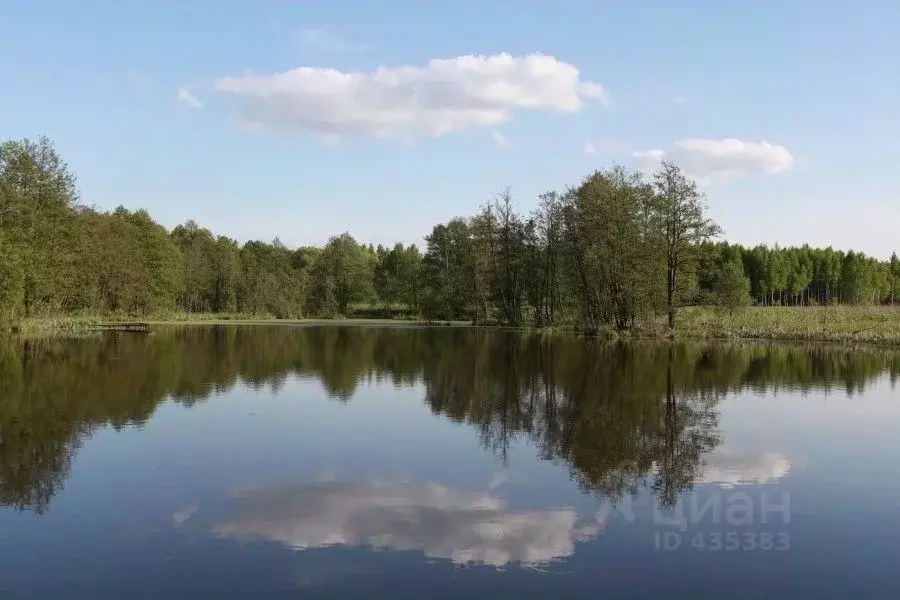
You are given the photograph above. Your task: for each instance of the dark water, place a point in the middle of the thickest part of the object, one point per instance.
(341, 462)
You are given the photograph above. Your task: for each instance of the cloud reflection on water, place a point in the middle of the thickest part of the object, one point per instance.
(464, 527)
(728, 468)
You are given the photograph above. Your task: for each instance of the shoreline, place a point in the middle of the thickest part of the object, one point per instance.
(870, 325)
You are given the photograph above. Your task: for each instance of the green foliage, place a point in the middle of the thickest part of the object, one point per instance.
(342, 275)
(614, 265)
(160, 269)
(500, 237)
(12, 289)
(396, 277)
(732, 286)
(270, 285)
(37, 210)
(448, 267)
(677, 215)
(894, 277)
(804, 275)
(610, 254)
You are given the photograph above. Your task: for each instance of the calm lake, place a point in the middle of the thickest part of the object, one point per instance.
(378, 462)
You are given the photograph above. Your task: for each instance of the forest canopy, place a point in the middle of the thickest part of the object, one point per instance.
(612, 250)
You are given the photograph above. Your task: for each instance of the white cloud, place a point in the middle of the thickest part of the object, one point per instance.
(186, 97)
(443, 96)
(650, 154)
(183, 515)
(327, 41)
(717, 160)
(464, 527)
(499, 138)
(589, 147)
(728, 468)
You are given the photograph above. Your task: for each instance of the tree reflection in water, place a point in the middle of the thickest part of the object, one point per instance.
(617, 415)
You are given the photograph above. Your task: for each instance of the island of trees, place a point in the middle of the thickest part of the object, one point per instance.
(616, 251)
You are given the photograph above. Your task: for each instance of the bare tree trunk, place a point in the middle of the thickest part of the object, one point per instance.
(670, 296)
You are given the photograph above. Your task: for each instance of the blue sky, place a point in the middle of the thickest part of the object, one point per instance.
(788, 112)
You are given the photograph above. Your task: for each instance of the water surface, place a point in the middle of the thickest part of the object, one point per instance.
(345, 462)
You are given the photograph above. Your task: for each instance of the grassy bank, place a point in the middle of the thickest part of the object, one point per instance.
(848, 324)
(273, 321)
(73, 325)
(41, 326)
(852, 324)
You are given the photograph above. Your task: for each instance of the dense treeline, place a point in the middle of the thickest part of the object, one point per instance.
(803, 276)
(612, 412)
(614, 251)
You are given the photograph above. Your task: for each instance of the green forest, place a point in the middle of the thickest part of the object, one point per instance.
(617, 249)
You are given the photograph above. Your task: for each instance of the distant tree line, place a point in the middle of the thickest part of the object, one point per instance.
(803, 276)
(610, 252)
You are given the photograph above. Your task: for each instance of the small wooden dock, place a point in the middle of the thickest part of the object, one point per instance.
(131, 327)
